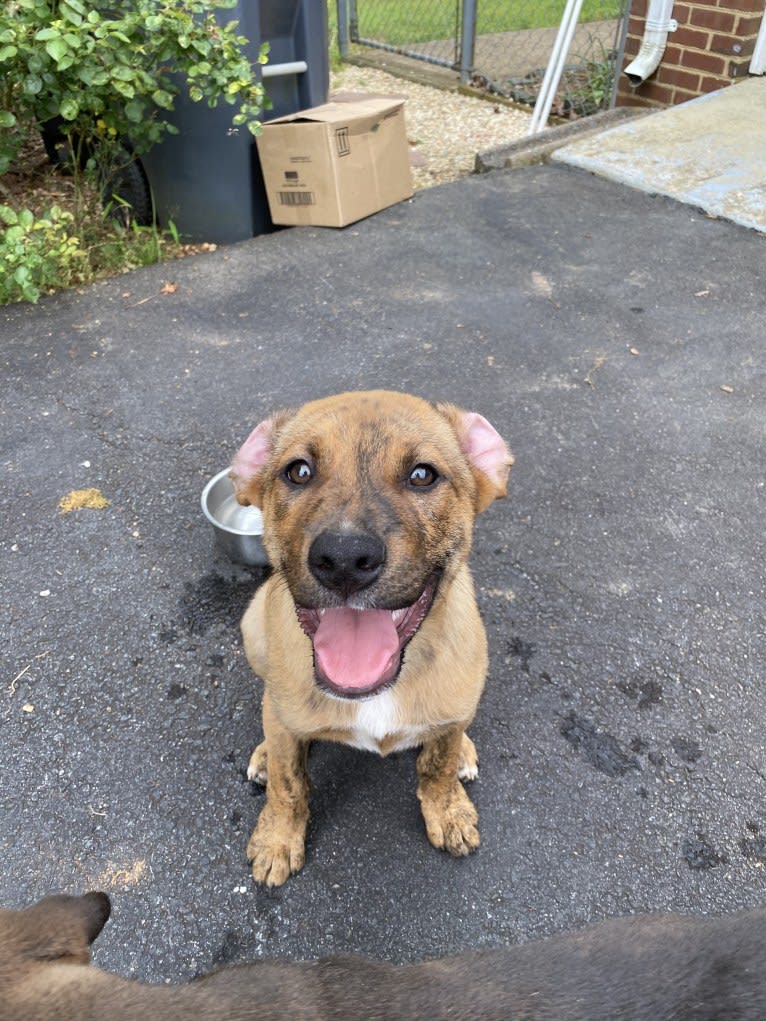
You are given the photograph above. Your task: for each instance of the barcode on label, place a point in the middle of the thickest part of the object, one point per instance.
(297, 198)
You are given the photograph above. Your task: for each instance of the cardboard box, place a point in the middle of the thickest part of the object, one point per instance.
(334, 164)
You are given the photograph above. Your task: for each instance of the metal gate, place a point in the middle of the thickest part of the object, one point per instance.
(502, 46)
(429, 30)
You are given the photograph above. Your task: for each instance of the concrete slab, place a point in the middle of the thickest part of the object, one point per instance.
(709, 153)
(621, 734)
(538, 148)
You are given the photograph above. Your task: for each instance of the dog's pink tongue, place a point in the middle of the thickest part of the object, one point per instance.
(356, 649)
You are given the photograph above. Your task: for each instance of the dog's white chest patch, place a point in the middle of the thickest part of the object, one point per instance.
(377, 718)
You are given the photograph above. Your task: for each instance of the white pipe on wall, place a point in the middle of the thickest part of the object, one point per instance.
(658, 23)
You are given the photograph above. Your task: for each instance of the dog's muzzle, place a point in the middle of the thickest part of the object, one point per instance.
(357, 652)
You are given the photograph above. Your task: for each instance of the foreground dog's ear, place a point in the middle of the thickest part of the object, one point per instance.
(489, 457)
(60, 927)
(253, 456)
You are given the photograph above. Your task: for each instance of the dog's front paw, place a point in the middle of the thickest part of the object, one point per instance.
(257, 767)
(276, 848)
(451, 820)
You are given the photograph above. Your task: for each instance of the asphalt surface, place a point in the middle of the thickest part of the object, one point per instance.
(616, 341)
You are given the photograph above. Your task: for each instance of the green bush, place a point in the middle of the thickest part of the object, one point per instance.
(112, 70)
(37, 253)
(107, 73)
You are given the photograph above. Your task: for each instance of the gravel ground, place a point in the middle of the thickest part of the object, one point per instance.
(445, 129)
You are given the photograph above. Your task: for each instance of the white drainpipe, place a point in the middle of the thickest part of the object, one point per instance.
(658, 24)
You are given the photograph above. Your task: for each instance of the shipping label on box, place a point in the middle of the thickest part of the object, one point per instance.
(337, 163)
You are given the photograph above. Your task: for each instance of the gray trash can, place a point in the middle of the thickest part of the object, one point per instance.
(207, 178)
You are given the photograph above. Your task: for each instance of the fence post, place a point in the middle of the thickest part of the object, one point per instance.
(343, 28)
(353, 21)
(620, 39)
(467, 41)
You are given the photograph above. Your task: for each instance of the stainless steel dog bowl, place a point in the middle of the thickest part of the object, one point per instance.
(238, 530)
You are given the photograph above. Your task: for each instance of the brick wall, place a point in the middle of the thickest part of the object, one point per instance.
(710, 48)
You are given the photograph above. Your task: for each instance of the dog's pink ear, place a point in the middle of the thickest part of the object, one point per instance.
(490, 459)
(250, 460)
(253, 456)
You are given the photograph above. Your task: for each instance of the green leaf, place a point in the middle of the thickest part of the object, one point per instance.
(8, 52)
(202, 46)
(56, 48)
(68, 13)
(69, 109)
(134, 111)
(33, 84)
(125, 89)
(123, 74)
(163, 98)
(7, 119)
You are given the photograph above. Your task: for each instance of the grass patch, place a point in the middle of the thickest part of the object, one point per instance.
(404, 22)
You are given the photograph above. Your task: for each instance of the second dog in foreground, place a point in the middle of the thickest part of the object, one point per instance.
(642, 968)
(367, 631)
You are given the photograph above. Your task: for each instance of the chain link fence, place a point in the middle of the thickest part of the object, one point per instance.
(501, 46)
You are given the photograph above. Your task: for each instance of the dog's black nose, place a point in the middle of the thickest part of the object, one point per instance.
(346, 562)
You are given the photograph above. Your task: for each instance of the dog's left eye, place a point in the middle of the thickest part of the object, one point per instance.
(423, 475)
(298, 472)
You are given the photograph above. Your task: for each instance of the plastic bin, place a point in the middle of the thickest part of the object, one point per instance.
(207, 178)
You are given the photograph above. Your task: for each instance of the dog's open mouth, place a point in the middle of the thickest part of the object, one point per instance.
(359, 652)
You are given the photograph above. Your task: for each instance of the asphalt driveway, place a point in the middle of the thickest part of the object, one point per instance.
(616, 340)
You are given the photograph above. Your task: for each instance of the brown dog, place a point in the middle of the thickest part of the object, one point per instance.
(367, 632)
(643, 968)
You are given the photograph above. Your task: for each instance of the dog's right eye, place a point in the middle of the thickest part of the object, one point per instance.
(298, 472)
(423, 476)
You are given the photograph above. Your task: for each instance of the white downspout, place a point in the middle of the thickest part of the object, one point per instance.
(658, 24)
(758, 61)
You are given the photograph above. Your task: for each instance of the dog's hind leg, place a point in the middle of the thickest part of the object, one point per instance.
(276, 847)
(449, 814)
